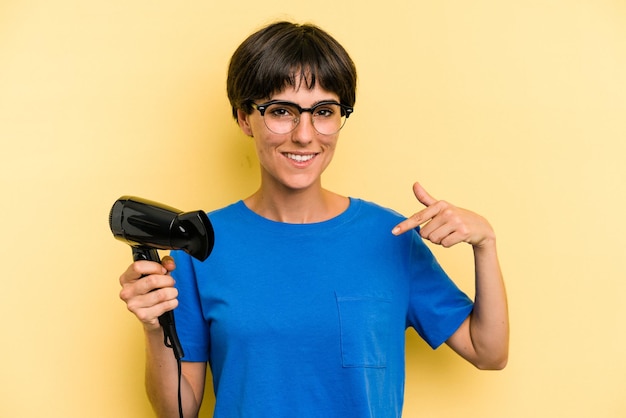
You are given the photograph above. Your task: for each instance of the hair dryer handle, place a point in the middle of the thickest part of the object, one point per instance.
(146, 253)
(167, 319)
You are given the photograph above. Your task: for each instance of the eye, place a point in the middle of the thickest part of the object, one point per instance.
(280, 111)
(325, 111)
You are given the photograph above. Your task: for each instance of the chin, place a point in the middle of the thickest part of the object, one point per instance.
(301, 184)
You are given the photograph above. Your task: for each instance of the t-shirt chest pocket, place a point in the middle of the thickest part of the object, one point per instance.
(365, 326)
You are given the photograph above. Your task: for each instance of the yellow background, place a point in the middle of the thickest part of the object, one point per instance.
(515, 109)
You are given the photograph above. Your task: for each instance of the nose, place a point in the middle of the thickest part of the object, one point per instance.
(305, 131)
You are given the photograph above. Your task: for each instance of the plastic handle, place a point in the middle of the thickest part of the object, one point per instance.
(170, 336)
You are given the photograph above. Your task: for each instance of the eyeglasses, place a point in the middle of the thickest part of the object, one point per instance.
(282, 117)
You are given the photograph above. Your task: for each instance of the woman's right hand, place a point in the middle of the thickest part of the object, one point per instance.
(148, 290)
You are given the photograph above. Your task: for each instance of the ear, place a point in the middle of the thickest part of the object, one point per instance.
(244, 122)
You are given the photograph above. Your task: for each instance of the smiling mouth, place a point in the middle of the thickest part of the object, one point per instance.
(299, 157)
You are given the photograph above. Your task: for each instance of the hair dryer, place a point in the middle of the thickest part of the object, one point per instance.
(147, 226)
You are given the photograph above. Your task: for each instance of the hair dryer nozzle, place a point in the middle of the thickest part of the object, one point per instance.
(194, 234)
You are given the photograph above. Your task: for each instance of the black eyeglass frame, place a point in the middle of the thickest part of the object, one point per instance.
(262, 107)
(347, 110)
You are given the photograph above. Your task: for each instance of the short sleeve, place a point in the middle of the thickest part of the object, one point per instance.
(437, 307)
(191, 325)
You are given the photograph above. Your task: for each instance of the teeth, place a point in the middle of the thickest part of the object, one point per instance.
(300, 158)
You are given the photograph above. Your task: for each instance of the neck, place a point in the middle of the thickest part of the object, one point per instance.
(297, 206)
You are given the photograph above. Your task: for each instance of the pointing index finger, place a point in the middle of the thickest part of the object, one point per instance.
(416, 220)
(420, 217)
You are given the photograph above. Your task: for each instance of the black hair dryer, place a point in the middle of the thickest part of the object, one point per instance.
(148, 226)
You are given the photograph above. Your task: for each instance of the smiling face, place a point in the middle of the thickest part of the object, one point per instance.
(294, 161)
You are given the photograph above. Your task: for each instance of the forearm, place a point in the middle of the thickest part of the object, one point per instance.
(489, 322)
(162, 380)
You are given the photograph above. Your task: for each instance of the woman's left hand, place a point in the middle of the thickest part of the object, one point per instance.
(445, 224)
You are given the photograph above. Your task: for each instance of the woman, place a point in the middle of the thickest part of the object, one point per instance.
(302, 307)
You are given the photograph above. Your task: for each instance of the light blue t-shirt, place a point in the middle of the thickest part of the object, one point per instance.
(309, 320)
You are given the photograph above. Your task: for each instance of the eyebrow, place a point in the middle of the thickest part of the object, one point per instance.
(303, 107)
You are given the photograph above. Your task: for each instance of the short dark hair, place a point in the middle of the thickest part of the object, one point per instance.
(284, 53)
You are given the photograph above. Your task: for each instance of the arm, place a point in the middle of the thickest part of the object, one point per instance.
(148, 297)
(483, 338)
